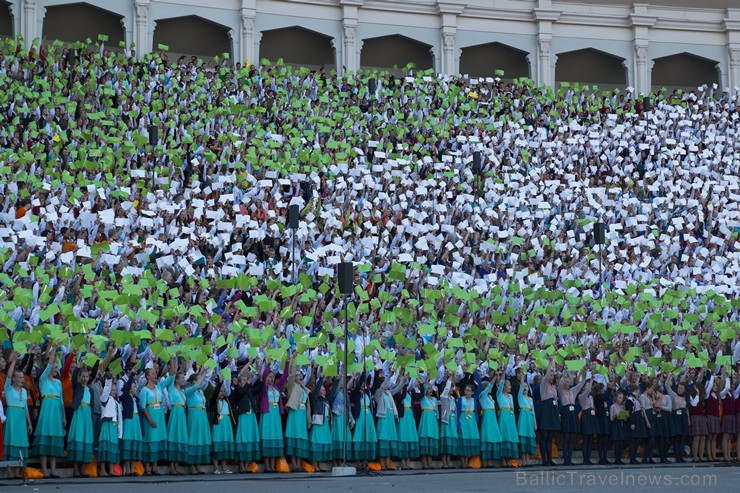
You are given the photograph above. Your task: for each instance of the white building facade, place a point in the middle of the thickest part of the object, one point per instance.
(614, 43)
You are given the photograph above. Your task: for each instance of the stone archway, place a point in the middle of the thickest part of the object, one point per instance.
(684, 71)
(484, 60)
(191, 36)
(80, 21)
(591, 66)
(385, 52)
(298, 46)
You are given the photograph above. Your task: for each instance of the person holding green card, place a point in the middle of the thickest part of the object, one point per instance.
(199, 430)
(467, 421)
(490, 433)
(429, 427)
(153, 428)
(48, 442)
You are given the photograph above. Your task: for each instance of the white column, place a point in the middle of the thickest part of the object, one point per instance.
(29, 22)
(545, 61)
(734, 73)
(545, 16)
(350, 62)
(17, 24)
(641, 23)
(449, 61)
(641, 81)
(732, 27)
(142, 39)
(348, 51)
(249, 49)
(450, 64)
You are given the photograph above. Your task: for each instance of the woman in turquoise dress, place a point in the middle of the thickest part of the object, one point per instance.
(507, 421)
(80, 442)
(320, 439)
(243, 403)
(408, 437)
(153, 428)
(526, 424)
(449, 438)
(48, 439)
(177, 423)
(131, 442)
(17, 418)
(342, 421)
(271, 409)
(109, 450)
(490, 434)
(364, 436)
(386, 426)
(222, 431)
(467, 422)
(296, 427)
(199, 430)
(428, 428)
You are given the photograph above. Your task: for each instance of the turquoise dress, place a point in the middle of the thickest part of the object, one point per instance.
(177, 424)
(223, 433)
(387, 436)
(108, 444)
(154, 439)
(321, 447)
(525, 425)
(247, 441)
(80, 443)
(408, 438)
(132, 443)
(199, 430)
(296, 431)
(490, 434)
(448, 436)
(49, 436)
(469, 443)
(507, 421)
(364, 438)
(271, 427)
(429, 427)
(16, 429)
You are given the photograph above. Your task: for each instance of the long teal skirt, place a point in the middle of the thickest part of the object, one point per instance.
(296, 434)
(490, 436)
(387, 437)
(528, 445)
(199, 437)
(108, 448)
(429, 434)
(247, 442)
(223, 439)
(448, 437)
(131, 443)
(408, 438)
(320, 442)
(80, 443)
(338, 431)
(16, 434)
(48, 438)
(177, 435)
(271, 433)
(469, 442)
(154, 439)
(364, 438)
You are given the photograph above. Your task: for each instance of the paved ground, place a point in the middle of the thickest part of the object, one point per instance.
(665, 479)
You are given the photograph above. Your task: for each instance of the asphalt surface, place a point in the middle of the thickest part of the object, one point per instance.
(658, 479)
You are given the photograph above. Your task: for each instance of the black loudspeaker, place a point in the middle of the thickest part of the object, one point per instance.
(293, 216)
(372, 86)
(600, 233)
(153, 135)
(71, 57)
(646, 103)
(345, 275)
(476, 162)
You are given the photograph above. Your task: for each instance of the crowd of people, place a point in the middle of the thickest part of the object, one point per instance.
(159, 308)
